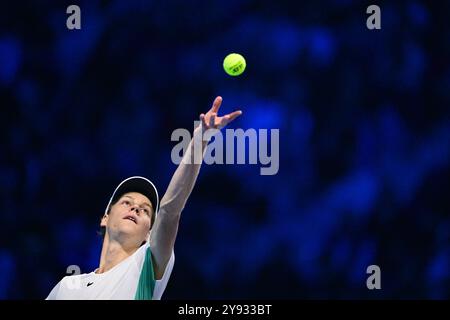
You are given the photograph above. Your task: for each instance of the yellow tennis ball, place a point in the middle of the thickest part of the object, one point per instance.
(234, 64)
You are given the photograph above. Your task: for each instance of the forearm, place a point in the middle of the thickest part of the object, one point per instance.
(185, 176)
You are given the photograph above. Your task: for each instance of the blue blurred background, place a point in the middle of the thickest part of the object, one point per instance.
(364, 142)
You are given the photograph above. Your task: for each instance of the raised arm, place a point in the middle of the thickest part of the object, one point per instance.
(164, 232)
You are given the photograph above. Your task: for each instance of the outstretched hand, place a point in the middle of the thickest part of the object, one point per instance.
(211, 120)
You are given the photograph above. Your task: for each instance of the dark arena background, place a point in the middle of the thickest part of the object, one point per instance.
(364, 142)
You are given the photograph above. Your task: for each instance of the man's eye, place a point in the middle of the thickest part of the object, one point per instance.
(146, 211)
(126, 202)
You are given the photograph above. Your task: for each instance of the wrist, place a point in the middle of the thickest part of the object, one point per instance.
(199, 135)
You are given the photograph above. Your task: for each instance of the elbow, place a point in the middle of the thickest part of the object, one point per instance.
(168, 214)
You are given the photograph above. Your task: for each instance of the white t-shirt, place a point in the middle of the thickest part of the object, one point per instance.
(132, 278)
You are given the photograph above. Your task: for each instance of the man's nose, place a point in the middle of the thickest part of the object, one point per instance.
(135, 208)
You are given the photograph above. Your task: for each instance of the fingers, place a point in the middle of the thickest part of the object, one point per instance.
(212, 120)
(234, 115)
(209, 120)
(230, 117)
(216, 104)
(203, 120)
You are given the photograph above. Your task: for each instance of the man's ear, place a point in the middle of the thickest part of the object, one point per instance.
(104, 220)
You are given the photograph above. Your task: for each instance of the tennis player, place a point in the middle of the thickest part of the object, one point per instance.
(137, 255)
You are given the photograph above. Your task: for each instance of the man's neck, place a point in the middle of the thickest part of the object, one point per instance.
(112, 254)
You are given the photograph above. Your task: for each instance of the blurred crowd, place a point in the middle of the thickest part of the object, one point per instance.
(364, 174)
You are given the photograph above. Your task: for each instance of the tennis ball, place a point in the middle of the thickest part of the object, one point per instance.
(234, 64)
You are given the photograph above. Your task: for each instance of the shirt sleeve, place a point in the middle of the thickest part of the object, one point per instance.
(54, 293)
(161, 284)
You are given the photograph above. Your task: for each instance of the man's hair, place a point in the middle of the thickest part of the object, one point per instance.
(103, 229)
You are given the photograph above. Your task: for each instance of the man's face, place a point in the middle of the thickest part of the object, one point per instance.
(129, 218)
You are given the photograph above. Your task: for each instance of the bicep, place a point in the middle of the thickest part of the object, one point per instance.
(162, 240)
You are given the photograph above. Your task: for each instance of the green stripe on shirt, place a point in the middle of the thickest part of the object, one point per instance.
(146, 283)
